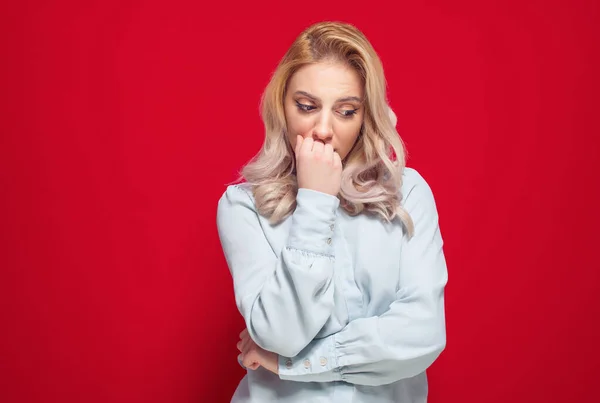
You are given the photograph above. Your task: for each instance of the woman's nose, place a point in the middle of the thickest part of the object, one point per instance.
(323, 130)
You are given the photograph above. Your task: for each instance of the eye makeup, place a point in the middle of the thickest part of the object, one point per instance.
(344, 113)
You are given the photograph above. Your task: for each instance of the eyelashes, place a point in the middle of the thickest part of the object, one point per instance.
(346, 113)
(305, 108)
(349, 113)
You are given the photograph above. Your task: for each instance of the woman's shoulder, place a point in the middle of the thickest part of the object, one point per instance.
(414, 187)
(411, 178)
(237, 194)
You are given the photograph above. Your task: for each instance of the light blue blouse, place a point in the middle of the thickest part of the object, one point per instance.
(353, 307)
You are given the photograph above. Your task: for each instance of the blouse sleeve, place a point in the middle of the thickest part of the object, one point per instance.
(406, 339)
(285, 300)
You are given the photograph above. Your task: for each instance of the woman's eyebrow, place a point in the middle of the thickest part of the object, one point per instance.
(350, 99)
(307, 95)
(317, 99)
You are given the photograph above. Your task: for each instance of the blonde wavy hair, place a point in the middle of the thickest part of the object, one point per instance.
(372, 173)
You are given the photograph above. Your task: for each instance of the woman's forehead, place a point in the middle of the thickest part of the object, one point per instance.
(326, 82)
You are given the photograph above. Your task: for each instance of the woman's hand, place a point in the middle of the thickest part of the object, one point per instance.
(318, 167)
(252, 356)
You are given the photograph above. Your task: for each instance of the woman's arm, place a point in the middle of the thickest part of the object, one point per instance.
(406, 339)
(285, 301)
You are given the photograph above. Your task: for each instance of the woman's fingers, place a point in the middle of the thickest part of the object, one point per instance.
(337, 161)
(328, 152)
(248, 356)
(246, 344)
(307, 146)
(318, 147)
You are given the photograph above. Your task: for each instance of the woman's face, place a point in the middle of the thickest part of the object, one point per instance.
(325, 101)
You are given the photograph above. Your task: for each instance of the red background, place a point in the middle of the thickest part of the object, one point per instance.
(123, 121)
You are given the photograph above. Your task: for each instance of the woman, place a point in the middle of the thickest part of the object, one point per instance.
(333, 245)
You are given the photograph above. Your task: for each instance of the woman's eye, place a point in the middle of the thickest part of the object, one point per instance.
(305, 108)
(348, 113)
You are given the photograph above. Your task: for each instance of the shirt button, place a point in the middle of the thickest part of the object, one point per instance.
(332, 227)
(306, 364)
(328, 241)
(288, 363)
(323, 361)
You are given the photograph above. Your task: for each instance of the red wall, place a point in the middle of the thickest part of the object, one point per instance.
(121, 123)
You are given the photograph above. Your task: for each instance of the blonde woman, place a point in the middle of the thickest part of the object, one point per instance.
(333, 244)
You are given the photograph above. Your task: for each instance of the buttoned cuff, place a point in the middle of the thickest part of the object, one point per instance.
(313, 222)
(318, 362)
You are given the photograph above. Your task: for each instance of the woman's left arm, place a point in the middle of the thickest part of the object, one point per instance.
(406, 339)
